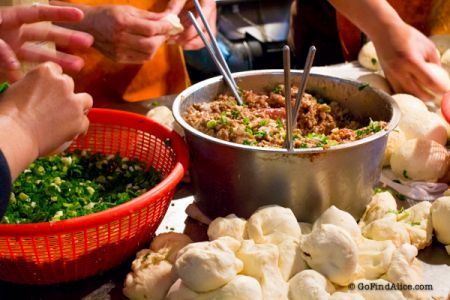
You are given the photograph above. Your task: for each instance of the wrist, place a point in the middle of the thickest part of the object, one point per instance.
(18, 144)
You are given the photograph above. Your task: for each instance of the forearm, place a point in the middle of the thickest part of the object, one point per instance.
(370, 16)
(18, 148)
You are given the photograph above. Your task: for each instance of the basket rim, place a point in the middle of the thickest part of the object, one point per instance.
(125, 209)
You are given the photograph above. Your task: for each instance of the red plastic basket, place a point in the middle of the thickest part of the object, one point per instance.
(53, 252)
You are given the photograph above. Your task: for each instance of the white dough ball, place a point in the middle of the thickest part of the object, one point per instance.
(331, 251)
(206, 266)
(440, 217)
(368, 58)
(376, 81)
(420, 159)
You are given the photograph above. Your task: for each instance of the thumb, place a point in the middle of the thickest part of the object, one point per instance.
(175, 6)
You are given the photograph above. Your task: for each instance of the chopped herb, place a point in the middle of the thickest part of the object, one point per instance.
(303, 145)
(279, 123)
(211, 124)
(259, 134)
(223, 119)
(3, 87)
(374, 61)
(362, 86)
(373, 127)
(378, 190)
(76, 184)
(235, 114)
(247, 142)
(405, 174)
(246, 121)
(156, 103)
(263, 122)
(277, 90)
(295, 137)
(248, 130)
(326, 108)
(415, 223)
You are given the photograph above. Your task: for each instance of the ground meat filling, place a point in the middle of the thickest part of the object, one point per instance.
(261, 120)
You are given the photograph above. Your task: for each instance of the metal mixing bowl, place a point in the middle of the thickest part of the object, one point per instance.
(233, 178)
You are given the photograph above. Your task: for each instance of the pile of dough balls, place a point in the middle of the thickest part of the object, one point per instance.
(416, 148)
(272, 256)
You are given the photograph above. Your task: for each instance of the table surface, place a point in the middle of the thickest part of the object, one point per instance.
(109, 284)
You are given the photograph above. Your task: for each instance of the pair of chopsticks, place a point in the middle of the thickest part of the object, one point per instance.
(214, 51)
(292, 113)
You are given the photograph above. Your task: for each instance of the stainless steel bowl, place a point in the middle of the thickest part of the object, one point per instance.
(234, 178)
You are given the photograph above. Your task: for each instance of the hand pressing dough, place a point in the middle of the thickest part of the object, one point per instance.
(173, 19)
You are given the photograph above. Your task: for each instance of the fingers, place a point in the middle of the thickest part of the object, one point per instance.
(148, 27)
(143, 45)
(9, 63)
(63, 37)
(17, 15)
(38, 53)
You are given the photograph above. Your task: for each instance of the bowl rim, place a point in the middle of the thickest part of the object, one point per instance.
(82, 223)
(392, 124)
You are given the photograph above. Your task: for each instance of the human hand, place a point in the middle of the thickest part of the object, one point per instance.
(43, 109)
(189, 38)
(405, 56)
(124, 33)
(18, 27)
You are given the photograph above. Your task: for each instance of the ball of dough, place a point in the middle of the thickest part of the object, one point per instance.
(331, 251)
(395, 139)
(376, 81)
(309, 285)
(164, 116)
(420, 159)
(342, 219)
(417, 221)
(173, 19)
(374, 258)
(368, 57)
(272, 224)
(231, 226)
(213, 263)
(417, 122)
(179, 291)
(440, 216)
(379, 206)
(171, 242)
(387, 229)
(240, 288)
